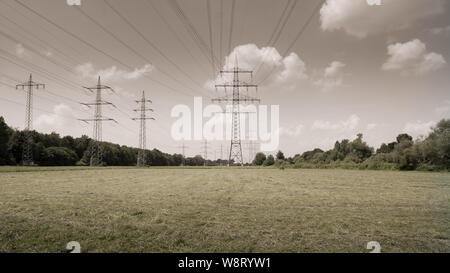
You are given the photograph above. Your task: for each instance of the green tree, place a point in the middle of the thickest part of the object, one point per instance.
(280, 156)
(58, 156)
(436, 148)
(259, 159)
(5, 135)
(269, 161)
(404, 137)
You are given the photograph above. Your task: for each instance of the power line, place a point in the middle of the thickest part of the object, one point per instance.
(141, 160)
(98, 119)
(183, 152)
(36, 52)
(126, 45)
(276, 34)
(205, 151)
(236, 99)
(27, 156)
(61, 77)
(72, 49)
(221, 35)
(67, 98)
(230, 37)
(95, 48)
(180, 41)
(34, 107)
(38, 38)
(152, 45)
(39, 70)
(196, 37)
(208, 8)
(297, 37)
(45, 90)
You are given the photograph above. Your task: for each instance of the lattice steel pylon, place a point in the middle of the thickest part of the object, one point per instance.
(27, 155)
(205, 151)
(96, 152)
(236, 99)
(183, 153)
(142, 128)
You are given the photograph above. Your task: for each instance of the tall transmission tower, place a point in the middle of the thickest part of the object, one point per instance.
(143, 128)
(96, 152)
(205, 150)
(236, 99)
(27, 155)
(221, 154)
(183, 153)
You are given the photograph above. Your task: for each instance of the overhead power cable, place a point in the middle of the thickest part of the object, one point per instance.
(297, 37)
(95, 48)
(152, 45)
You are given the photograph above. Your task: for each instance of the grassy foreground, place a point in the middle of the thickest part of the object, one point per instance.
(223, 210)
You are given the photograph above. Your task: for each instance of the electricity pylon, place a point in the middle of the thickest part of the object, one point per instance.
(27, 155)
(205, 151)
(96, 153)
(142, 128)
(221, 154)
(183, 153)
(236, 99)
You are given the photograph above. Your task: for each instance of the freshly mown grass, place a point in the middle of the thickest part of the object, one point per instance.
(223, 210)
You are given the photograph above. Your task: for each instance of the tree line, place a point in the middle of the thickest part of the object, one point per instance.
(54, 150)
(431, 153)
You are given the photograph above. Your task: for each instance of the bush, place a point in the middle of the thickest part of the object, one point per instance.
(431, 168)
(58, 156)
(269, 161)
(259, 159)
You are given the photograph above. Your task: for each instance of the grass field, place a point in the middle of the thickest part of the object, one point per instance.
(222, 210)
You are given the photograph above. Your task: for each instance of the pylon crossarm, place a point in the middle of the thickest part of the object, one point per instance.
(242, 99)
(140, 101)
(143, 119)
(98, 119)
(98, 103)
(239, 84)
(102, 87)
(146, 109)
(236, 70)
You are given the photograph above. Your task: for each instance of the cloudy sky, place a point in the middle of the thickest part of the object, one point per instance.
(335, 67)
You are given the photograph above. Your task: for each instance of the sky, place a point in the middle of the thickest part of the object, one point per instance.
(336, 68)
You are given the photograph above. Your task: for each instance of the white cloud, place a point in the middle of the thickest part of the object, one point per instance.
(139, 72)
(285, 71)
(333, 76)
(444, 110)
(371, 126)
(419, 128)
(292, 131)
(431, 62)
(112, 73)
(359, 19)
(440, 30)
(20, 50)
(293, 68)
(346, 125)
(62, 117)
(412, 58)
